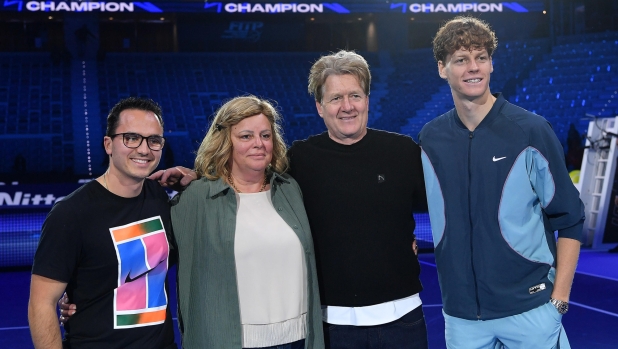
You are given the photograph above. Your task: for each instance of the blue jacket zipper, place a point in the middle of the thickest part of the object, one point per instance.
(476, 288)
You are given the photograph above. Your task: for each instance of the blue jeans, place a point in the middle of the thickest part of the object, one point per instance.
(294, 345)
(408, 332)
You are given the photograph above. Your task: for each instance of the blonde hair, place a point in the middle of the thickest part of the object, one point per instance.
(216, 148)
(340, 63)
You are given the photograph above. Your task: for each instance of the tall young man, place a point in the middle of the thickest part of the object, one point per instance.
(497, 189)
(106, 244)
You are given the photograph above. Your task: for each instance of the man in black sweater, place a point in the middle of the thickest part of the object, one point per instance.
(360, 187)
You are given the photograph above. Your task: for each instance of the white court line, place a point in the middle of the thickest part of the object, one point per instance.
(570, 302)
(595, 275)
(594, 309)
(13, 328)
(26, 327)
(426, 263)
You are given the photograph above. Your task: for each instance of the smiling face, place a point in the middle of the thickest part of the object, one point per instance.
(344, 108)
(467, 72)
(133, 164)
(252, 146)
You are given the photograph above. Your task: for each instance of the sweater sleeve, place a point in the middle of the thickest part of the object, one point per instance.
(420, 195)
(290, 154)
(552, 183)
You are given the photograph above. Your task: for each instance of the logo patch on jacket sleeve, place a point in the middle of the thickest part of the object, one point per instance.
(537, 288)
(381, 178)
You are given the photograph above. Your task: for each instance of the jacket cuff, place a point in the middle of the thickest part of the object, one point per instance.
(574, 232)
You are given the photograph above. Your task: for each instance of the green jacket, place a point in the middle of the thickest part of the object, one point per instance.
(204, 223)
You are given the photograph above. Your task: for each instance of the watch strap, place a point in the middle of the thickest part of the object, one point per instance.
(561, 306)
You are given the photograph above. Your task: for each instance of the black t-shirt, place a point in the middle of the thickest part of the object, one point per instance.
(113, 254)
(359, 199)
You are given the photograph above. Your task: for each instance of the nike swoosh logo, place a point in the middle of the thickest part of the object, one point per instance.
(130, 279)
(498, 159)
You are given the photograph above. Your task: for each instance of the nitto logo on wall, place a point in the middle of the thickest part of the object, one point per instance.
(33, 195)
(27, 199)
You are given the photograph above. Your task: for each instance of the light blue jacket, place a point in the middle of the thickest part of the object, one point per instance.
(496, 195)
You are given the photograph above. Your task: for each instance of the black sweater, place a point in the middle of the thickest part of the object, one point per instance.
(360, 199)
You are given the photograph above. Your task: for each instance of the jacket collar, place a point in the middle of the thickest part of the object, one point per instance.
(490, 117)
(219, 185)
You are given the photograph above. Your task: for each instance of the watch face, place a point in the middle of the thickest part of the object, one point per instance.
(561, 306)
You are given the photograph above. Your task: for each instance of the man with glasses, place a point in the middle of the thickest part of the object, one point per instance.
(106, 244)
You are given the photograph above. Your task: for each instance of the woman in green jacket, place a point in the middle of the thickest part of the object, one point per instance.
(246, 270)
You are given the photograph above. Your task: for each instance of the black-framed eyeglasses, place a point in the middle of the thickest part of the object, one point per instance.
(134, 140)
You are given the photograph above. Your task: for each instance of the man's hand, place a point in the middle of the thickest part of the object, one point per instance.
(66, 309)
(44, 293)
(176, 178)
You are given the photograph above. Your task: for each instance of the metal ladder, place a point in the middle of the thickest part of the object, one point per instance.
(596, 182)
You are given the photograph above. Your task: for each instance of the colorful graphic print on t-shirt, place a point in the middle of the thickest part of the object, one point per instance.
(142, 251)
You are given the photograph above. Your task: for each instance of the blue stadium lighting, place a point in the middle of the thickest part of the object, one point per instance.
(558, 95)
(583, 102)
(402, 5)
(336, 8)
(527, 97)
(514, 6)
(9, 3)
(551, 80)
(86, 118)
(147, 6)
(218, 5)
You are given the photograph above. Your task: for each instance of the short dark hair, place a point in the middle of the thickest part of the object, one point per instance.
(146, 104)
(463, 32)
